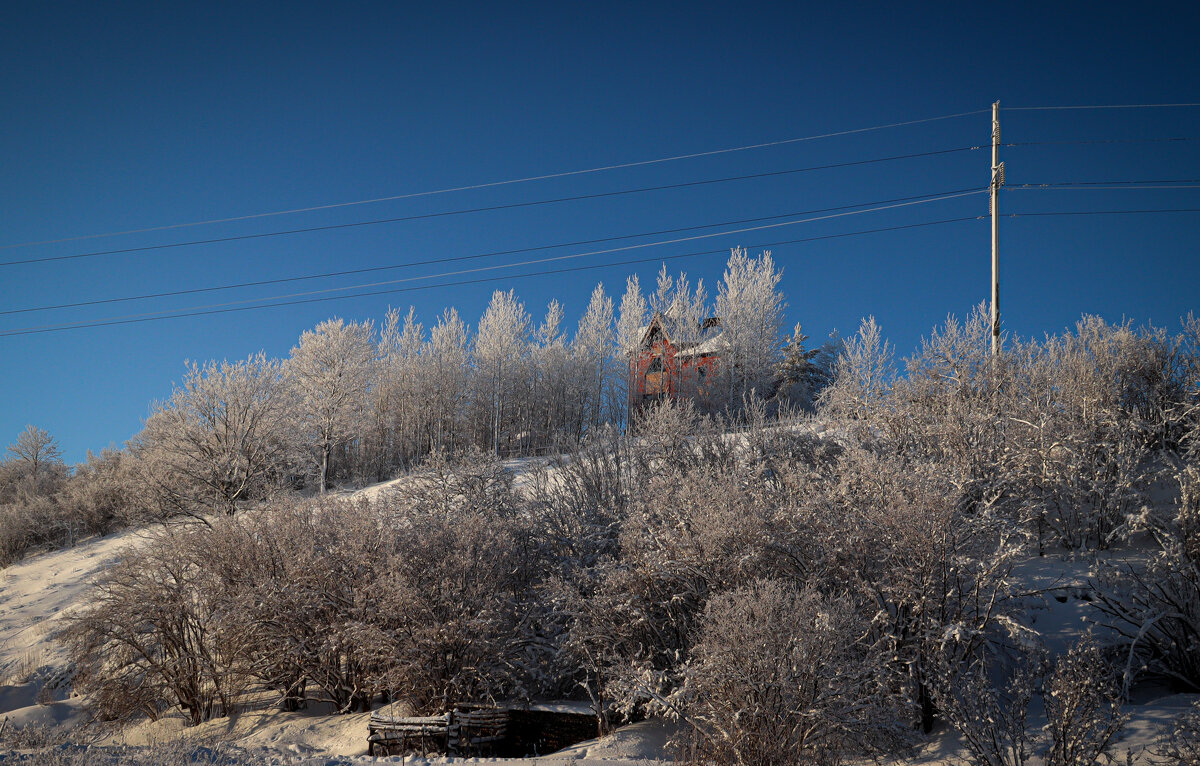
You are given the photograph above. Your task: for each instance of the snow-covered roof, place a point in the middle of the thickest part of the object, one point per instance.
(709, 345)
(714, 345)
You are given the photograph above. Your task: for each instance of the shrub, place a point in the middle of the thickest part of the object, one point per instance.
(990, 718)
(1181, 744)
(158, 634)
(783, 675)
(1083, 706)
(1156, 606)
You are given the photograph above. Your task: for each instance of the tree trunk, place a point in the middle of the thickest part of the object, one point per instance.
(325, 450)
(928, 709)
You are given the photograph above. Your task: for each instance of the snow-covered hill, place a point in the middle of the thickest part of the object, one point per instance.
(37, 594)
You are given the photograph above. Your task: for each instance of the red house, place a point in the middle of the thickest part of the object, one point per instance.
(667, 368)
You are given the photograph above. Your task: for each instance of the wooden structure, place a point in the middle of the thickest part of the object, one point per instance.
(388, 735)
(479, 730)
(670, 368)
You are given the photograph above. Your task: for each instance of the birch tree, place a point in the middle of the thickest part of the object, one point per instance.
(630, 321)
(445, 362)
(330, 371)
(402, 417)
(863, 375)
(751, 308)
(500, 352)
(551, 403)
(683, 309)
(592, 352)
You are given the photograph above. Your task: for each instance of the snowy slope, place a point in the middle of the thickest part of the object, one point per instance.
(36, 594)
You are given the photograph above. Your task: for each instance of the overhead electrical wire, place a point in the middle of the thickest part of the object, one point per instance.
(305, 296)
(474, 256)
(1183, 183)
(490, 184)
(530, 262)
(1102, 212)
(513, 205)
(1083, 141)
(490, 208)
(416, 288)
(1092, 106)
(458, 283)
(1123, 182)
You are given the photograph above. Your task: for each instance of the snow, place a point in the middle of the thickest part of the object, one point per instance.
(35, 596)
(521, 469)
(38, 593)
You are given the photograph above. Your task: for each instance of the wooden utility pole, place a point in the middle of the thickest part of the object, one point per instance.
(997, 182)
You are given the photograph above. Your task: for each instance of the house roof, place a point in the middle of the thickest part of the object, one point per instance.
(714, 344)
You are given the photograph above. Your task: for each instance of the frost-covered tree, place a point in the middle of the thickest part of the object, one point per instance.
(220, 439)
(631, 321)
(988, 705)
(330, 371)
(552, 404)
(682, 309)
(803, 373)
(1154, 605)
(591, 355)
(402, 417)
(456, 615)
(947, 408)
(750, 306)
(1083, 706)
(35, 452)
(1086, 411)
(501, 355)
(863, 375)
(1180, 745)
(632, 316)
(446, 366)
(159, 633)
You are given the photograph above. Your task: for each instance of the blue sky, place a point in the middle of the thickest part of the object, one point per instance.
(133, 115)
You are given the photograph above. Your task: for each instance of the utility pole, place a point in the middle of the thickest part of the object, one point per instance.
(997, 182)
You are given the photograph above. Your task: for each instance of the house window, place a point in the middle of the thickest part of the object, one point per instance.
(655, 365)
(703, 371)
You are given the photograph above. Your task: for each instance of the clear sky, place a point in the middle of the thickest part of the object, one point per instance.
(122, 116)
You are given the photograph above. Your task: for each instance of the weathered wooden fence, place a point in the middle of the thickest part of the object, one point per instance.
(479, 731)
(470, 731)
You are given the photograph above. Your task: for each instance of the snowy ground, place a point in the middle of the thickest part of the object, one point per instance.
(37, 593)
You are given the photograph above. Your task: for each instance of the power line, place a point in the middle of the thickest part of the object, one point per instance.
(347, 272)
(1087, 185)
(1095, 106)
(490, 208)
(447, 190)
(571, 269)
(1081, 141)
(373, 222)
(1103, 212)
(531, 262)
(458, 283)
(1109, 183)
(570, 256)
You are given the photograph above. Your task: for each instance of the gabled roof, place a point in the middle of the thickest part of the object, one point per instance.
(644, 331)
(714, 344)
